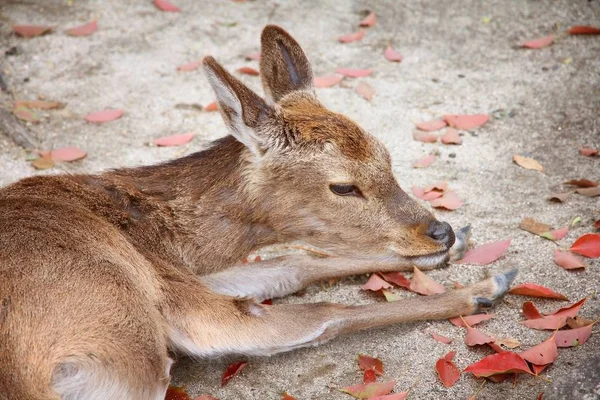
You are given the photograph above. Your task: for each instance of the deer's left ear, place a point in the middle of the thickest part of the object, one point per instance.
(284, 67)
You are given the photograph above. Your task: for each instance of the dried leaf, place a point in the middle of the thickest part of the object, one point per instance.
(560, 197)
(476, 337)
(451, 137)
(164, 5)
(176, 393)
(389, 296)
(568, 260)
(424, 162)
(533, 226)
(284, 396)
(542, 354)
(29, 31)
(431, 126)
(392, 55)
(353, 72)
(578, 322)
(365, 90)
(26, 114)
(440, 338)
(582, 183)
(369, 20)
(369, 390)
(588, 151)
(499, 363)
(40, 104)
(573, 337)
(352, 37)
(449, 201)
(486, 253)
(589, 192)
(424, 285)
(528, 163)
(397, 278)
(466, 122)
(530, 311)
(471, 319)
(535, 290)
(366, 362)
(375, 283)
(424, 137)
(584, 30)
(174, 140)
(328, 81)
(211, 106)
(538, 43)
(511, 343)
(232, 371)
(447, 371)
(83, 30)
(44, 162)
(587, 245)
(191, 66)
(67, 154)
(104, 116)
(248, 71)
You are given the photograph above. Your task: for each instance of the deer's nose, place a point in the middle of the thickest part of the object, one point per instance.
(441, 232)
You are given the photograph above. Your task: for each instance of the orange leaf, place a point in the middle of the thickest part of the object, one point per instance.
(369, 390)
(44, 162)
(451, 137)
(539, 43)
(248, 71)
(584, 30)
(440, 338)
(30, 31)
(535, 290)
(573, 337)
(375, 283)
(369, 20)
(104, 116)
(174, 140)
(587, 245)
(164, 5)
(533, 226)
(327, 81)
(530, 311)
(285, 396)
(365, 90)
(466, 122)
(568, 260)
(542, 354)
(392, 55)
(232, 371)
(447, 370)
(486, 253)
(83, 30)
(211, 107)
(353, 72)
(424, 162)
(191, 66)
(498, 363)
(352, 37)
(430, 126)
(471, 319)
(366, 362)
(39, 104)
(528, 163)
(424, 285)
(369, 376)
(176, 393)
(67, 154)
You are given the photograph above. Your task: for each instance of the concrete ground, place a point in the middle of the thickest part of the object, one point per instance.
(453, 63)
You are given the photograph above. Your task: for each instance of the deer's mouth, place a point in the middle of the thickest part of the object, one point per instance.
(431, 260)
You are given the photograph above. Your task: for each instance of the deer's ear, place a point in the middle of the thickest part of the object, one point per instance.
(242, 110)
(284, 67)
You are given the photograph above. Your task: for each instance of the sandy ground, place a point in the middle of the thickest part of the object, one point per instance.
(454, 63)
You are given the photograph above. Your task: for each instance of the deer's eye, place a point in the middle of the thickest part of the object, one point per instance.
(345, 190)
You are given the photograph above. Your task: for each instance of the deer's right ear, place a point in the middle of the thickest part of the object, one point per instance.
(242, 110)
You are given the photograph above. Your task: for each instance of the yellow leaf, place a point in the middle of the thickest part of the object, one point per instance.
(528, 163)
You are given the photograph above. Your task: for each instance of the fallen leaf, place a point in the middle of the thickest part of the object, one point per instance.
(476, 337)
(424, 285)
(191, 66)
(597, 224)
(29, 31)
(40, 104)
(366, 362)
(44, 162)
(537, 369)
(587, 245)
(471, 319)
(530, 311)
(447, 371)
(538, 43)
(424, 137)
(440, 338)
(353, 72)
(365, 90)
(579, 322)
(164, 5)
(211, 106)
(397, 278)
(267, 302)
(395, 396)
(253, 56)
(327, 81)
(424, 162)
(441, 186)
(209, 397)
(499, 363)
(232, 371)
(535, 290)
(560, 197)
(582, 183)
(248, 71)
(589, 192)
(569, 311)
(451, 137)
(104, 116)
(369, 376)
(67, 154)
(369, 390)
(511, 343)
(541, 354)
(568, 260)
(584, 30)
(392, 55)
(83, 30)
(531, 225)
(449, 201)
(176, 393)
(352, 37)
(369, 20)
(551, 322)
(486, 253)
(528, 163)
(375, 283)
(556, 234)
(285, 396)
(174, 140)
(466, 122)
(573, 337)
(431, 126)
(496, 347)
(389, 296)
(26, 114)
(588, 151)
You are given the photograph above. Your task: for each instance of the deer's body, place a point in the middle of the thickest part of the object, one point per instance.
(100, 275)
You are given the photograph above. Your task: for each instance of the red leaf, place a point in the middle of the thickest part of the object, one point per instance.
(547, 322)
(397, 278)
(369, 390)
(597, 224)
(568, 260)
(449, 201)
(569, 311)
(352, 37)
(253, 56)
(430, 126)
(353, 72)
(583, 183)
(475, 336)
(538, 43)
(328, 81)
(285, 396)
(424, 162)
(67, 154)
(174, 140)
(424, 285)
(471, 319)
(424, 137)
(232, 371)
(451, 137)
(537, 369)
(447, 371)
(191, 66)
(496, 347)
(530, 311)
(104, 116)
(440, 338)
(395, 396)
(365, 90)
(466, 122)
(176, 393)
(573, 337)
(392, 55)
(556, 234)
(450, 355)
(588, 151)
(83, 30)
(498, 363)
(209, 397)
(584, 30)
(375, 283)
(267, 302)
(486, 253)
(369, 20)
(366, 362)
(542, 354)
(211, 107)
(441, 186)
(30, 31)
(535, 290)
(369, 376)
(164, 5)
(248, 71)
(587, 245)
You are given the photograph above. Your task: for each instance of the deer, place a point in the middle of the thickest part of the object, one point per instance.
(103, 277)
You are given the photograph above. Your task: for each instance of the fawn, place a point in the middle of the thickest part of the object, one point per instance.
(102, 275)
